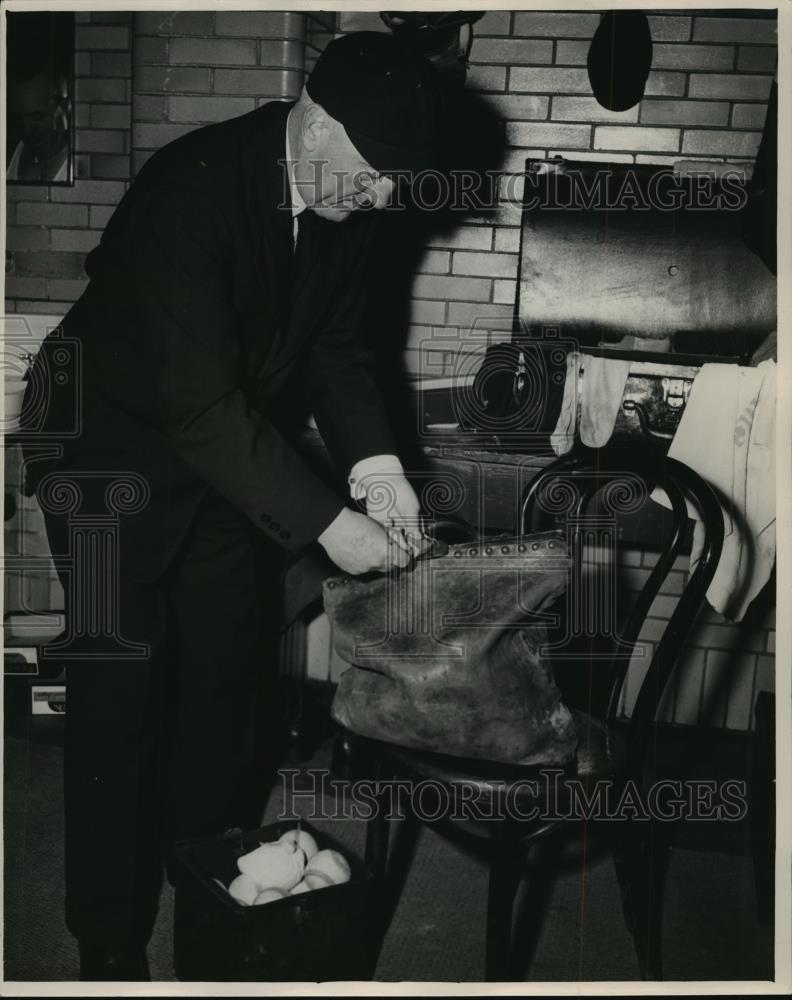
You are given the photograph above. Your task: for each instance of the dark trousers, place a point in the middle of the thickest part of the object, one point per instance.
(178, 744)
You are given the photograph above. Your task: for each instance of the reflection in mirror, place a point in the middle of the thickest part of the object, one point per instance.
(40, 81)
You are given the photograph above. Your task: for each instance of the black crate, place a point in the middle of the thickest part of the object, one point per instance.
(316, 936)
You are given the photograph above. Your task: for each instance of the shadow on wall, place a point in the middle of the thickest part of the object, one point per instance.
(473, 148)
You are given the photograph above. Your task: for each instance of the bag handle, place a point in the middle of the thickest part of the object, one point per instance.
(447, 531)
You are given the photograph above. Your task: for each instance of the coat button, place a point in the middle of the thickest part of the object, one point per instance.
(275, 526)
(265, 518)
(285, 535)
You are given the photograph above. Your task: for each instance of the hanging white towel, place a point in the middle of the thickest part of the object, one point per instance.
(601, 395)
(563, 437)
(727, 435)
(604, 380)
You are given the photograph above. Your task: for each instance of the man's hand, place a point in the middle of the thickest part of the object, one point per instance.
(390, 500)
(357, 544)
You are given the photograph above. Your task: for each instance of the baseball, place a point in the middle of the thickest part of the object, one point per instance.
(331, 864)
(244, 890)
(273, 866)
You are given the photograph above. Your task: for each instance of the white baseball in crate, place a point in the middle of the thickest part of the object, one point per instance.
(274, 866)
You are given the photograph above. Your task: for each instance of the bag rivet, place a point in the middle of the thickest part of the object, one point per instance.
(505, 549)
(488, 550)
(521, 548)
(551, 545)
(535, 546)
(474, 552)
(457, 554)
(331, 585)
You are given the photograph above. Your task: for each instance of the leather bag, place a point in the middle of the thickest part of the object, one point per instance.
(448, 655)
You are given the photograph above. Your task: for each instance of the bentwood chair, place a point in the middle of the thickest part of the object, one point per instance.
(585, 494)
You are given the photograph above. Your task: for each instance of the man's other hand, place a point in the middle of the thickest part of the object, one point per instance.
(358, 544)
(390, 500)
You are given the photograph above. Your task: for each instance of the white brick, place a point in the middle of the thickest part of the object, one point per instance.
(734, 29)
(757, 58)
(693, 57)
(684, 112)
(570, 53)
(260, 24)
(665, 84)
(494, 22)
(213, 51)
(749, 116)
(507, 240)
(442, 287)
(740, 87)
(493, 265)
(505, 292)
(552, 24)
(207, 109)
(544, 135)
(588, 109)
(670, 29)
(464, 238)
(512, 51)
(659, 140)
(720, 143)
(550, 80)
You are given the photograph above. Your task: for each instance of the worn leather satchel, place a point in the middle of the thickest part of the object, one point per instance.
(448, 655)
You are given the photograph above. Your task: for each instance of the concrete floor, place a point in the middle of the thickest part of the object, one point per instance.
(710, 926)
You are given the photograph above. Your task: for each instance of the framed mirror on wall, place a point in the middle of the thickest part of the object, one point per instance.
(40, 103)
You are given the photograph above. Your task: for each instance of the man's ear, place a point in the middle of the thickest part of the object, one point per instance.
(314, 128)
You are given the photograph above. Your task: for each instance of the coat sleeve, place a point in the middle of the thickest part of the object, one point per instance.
(182, 273)
(340, 372)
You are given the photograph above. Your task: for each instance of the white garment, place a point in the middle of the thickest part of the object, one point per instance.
(600, 397)
(297, 202)
(604, 380)
(727, 436)
(563, 437)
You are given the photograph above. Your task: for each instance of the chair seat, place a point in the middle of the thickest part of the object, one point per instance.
(601, 754)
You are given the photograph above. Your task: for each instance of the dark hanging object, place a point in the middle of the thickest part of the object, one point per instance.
(620, 58)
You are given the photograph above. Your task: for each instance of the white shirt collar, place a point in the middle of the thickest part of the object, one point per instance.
(298, 205)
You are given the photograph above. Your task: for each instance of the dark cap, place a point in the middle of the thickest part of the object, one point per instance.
(385, 94)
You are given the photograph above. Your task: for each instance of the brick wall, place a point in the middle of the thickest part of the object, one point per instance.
(50, 229)
(705, 101)
(144, 79)
(320, 27)
(723, 665)
(193, 68)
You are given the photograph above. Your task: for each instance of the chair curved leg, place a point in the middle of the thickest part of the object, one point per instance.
(641, 856)
(504, 878)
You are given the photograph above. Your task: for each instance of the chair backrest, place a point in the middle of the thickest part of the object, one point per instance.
(587, 494)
